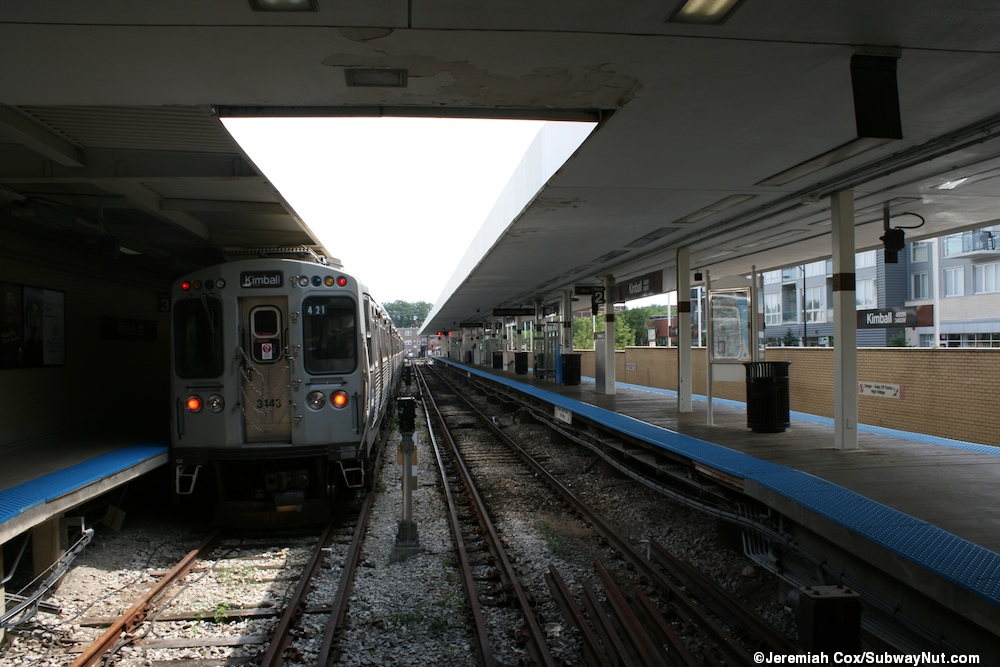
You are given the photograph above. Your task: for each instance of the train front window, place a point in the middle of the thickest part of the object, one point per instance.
(330, 334)
(198, 338)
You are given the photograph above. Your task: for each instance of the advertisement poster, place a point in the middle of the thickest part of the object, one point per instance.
(32, 328)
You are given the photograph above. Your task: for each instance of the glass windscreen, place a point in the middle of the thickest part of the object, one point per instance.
(330, 334)
(198, 338)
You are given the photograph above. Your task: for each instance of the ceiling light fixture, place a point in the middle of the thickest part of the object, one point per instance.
(284, 5)
(721, 205)
(951, 185)
(828, 159)
(376, 77)
(705, 12)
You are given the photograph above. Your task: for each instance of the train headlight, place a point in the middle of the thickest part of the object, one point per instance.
(215, 403)
(339, 398)
(303, 281)
(193, 403)
(315, 400)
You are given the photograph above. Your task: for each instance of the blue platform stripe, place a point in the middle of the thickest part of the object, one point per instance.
(969, 565)
(23, 497)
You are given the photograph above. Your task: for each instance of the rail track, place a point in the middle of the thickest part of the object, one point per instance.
(673, 615)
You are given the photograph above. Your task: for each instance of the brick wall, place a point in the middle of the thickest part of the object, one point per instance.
(948, 392)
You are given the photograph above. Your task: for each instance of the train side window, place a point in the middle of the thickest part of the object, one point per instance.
(330, 330)
(198, 338)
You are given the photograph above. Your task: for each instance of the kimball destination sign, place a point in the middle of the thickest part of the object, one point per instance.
(884, 318)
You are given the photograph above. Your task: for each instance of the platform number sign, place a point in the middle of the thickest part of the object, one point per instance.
(596, 300)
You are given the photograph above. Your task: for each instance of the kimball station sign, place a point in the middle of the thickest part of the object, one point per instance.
(885, 318)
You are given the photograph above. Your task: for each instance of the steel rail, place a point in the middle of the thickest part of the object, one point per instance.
(282, 635)
(468, 580)
(339, 612)
(139, 611)
(537, 646)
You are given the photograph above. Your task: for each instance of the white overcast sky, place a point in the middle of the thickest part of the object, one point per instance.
(396, 200)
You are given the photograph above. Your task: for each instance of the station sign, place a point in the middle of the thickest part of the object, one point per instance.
(472, 325)
(514, 312)
(884, 318)
(254, 279)
(642, 286)
(585, 290)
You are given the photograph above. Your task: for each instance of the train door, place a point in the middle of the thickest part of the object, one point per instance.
(264, 364)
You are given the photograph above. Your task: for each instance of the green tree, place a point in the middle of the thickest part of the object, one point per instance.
(583, 332)
(407, 314)
(636, 319)
(789, 339)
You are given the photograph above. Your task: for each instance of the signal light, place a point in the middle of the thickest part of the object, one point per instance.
(196, 284)
(185, 286)
(193, 403)
(339, 398)
(328, 281)
(341, 281)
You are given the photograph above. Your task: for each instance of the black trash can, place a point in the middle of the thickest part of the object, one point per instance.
(498, 360)
(571, 368)
(540, 366)
(521, 363)
(767, 396)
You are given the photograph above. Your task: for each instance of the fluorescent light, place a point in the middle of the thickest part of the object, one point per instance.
(721, 205)
(711, 12)
(951, 185)
(284, 5)
(376, 77)
(828, 159)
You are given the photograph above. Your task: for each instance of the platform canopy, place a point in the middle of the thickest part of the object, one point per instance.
(725, 137)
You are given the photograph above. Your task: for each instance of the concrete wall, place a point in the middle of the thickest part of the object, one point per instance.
(948, 392)
(107, 385)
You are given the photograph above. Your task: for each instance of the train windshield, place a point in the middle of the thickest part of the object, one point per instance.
(198, 338)
(330, 334)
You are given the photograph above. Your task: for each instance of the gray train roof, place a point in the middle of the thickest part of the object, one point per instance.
(110, 120)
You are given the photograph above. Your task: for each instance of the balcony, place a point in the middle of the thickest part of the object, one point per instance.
(980, 245)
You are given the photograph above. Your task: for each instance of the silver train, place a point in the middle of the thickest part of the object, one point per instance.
(284, 371)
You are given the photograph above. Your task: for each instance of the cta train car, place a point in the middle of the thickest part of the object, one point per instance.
(283, 375)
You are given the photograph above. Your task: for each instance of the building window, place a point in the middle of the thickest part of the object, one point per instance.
(772, 277)
(789, 304)
(867, 297)
(918, 289)
(919, 252)
(772, 308)
(815, 304)
(864, 260)
(791, 273)
(986, 278)
(970, 340)
(954, 281)
(926, 340)
(816, 269)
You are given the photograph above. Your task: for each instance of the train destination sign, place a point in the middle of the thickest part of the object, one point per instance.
(883, 318)
(261, 279)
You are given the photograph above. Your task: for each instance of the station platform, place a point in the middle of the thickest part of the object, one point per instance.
(925, 507)
(41, 479)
